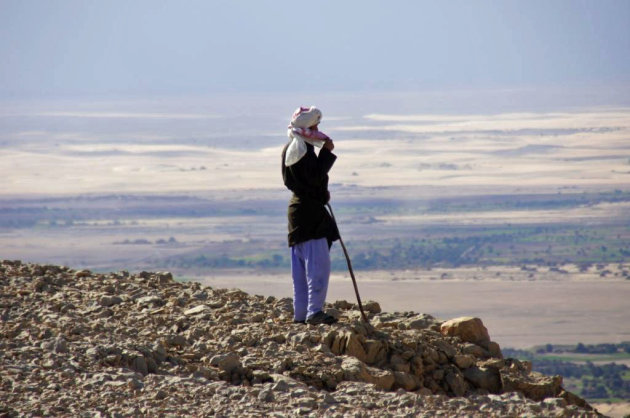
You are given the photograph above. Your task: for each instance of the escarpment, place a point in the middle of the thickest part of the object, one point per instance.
(85, 344)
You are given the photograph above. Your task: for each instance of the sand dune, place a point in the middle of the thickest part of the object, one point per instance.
(587, 148)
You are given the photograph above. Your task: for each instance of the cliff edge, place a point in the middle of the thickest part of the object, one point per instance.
(77, 343)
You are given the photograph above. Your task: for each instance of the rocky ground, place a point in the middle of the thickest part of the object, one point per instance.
(76, 343)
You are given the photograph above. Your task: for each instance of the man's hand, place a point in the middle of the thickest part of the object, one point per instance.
(329, 145)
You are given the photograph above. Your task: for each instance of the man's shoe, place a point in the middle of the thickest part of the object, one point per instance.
(321, 318)
(295, 321)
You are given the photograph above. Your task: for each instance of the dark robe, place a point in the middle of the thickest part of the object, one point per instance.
(308, 180)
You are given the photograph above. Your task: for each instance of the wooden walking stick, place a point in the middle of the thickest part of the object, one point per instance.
(345, 252)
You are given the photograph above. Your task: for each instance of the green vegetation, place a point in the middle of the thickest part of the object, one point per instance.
(548, 245)
(114, 209)
(426, 246)
(601, 382)
(373, 242)
(525, 202)
(224, 261)
(514, 245)
(518, 245)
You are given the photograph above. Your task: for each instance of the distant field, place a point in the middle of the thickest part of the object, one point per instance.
(196, 233)
(619, 358)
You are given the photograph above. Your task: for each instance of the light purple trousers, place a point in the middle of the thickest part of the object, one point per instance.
(310, 267)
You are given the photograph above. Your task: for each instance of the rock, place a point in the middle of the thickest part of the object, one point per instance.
(405, 381)
(150, 300)
(497, 363)
(258, 317)
(281, 386)
(206, 373)
(456, 383)
(474, 350)
(534, 385)
(266, 395)
(554, 402)
(226, 362)
(484, 378)
(386, 320)
(305, 402)
(417, 366)
(573, 399)
(422, 321)
(60, 345)
(285, 383)
(139, 364)
(372, 307)
(355, 370)
(447, 349)
(375, 351)
(109, 300)
(163, 277)
(467, 328)
(200, 295)
(349, 342)
(235, 294)
(329, 399)
(199, 309)
(526, 365)
(463, 361)
(82, 273)
(425, 392)
(494, 349)
(343, 305)
(135, 384)
(260, 376)
(175, 340)
(399, 364)
(159, 353)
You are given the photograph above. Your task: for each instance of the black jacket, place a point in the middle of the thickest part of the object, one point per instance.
(308, 180)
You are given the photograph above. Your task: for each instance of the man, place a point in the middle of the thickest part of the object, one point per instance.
(311, 228)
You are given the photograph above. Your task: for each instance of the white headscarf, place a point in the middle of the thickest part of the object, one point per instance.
(303, 118)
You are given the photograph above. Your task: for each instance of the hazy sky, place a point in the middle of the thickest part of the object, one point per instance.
(95, 47)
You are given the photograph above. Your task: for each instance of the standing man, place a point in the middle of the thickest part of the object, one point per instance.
(311, 228)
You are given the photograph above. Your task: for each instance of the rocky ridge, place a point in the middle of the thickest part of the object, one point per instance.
(77, 343)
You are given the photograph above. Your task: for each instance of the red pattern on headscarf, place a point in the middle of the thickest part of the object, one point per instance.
(300, 110)
(309, 133)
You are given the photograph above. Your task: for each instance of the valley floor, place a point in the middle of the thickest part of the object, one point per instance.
(520, 313)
